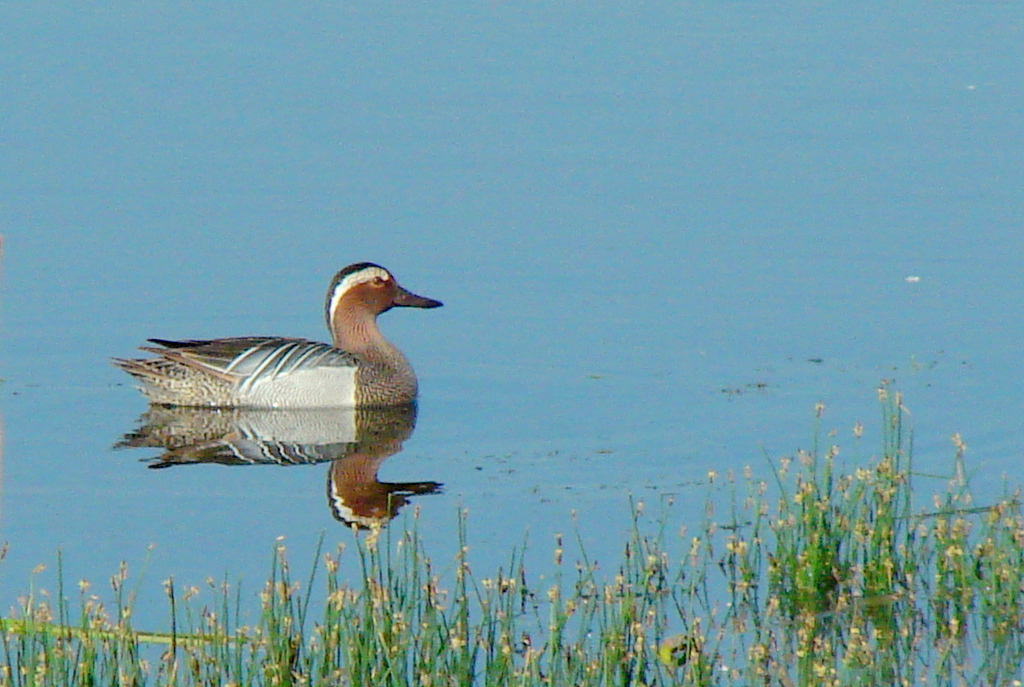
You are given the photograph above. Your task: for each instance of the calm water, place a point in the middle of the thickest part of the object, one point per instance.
(661, 236)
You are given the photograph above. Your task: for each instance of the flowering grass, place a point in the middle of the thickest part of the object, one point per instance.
(818, 575)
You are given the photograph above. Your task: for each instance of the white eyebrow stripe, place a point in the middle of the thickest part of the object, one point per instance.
(361, 277)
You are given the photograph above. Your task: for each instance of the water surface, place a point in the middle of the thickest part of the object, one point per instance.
(661, 235)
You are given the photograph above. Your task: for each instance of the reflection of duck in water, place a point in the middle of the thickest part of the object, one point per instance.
(360, 368)
(356, 497)
(355, 441)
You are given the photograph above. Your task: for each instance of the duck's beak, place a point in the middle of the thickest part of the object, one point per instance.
(407, 299)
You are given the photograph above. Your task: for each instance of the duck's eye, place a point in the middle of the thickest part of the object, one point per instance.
(378, 281)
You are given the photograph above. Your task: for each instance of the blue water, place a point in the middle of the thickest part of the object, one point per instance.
(630, 215)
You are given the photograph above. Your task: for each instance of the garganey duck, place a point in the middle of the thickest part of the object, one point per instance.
(359, 369)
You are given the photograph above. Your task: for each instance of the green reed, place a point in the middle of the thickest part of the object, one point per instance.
(822, 574)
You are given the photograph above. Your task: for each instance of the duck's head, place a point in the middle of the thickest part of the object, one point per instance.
(369, 289)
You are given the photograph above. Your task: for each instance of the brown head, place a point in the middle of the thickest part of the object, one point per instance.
(360, 292)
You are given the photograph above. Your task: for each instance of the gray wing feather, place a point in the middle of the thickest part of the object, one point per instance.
(258, 359)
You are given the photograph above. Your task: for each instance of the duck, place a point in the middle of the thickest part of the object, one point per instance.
(358, 369)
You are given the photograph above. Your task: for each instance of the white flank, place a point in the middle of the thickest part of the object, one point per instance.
(323, 387)
(361, 277)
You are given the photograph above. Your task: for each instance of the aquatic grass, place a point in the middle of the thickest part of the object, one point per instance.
(822, 574)
(865, 589)
(36, 650)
